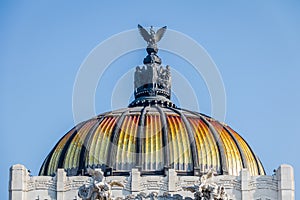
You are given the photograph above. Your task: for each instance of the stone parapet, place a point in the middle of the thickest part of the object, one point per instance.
(279, 186)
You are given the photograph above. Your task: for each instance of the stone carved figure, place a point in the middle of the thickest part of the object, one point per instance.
(166, 195)
(164, 77)
(153, 195)
(138, 77)
(153, 37)
(85, 191)
(169, 196)
(153, 75)
(143, 76)
(208, 189)
(98, 189)
(130, 197)
(142, 195)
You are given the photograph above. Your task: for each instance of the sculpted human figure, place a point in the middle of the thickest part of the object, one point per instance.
(98, 189)
(137, 77)
(208, 189)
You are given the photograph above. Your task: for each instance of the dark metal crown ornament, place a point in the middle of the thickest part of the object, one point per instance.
(152, 81)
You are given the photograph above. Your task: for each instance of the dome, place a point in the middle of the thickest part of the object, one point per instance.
(152, 135)
(152, 138)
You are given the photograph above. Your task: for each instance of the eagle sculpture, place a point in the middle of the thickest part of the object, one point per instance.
(153, 37)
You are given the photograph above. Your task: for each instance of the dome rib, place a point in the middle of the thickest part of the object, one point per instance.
(200, 151)
(143, 139)
(151, 137)
(191, 138)
(223, 165)
(243, 157)
(232, 154)
(86, 145)
(62, 156)
(260, 167)
(173, 146)
(121, 161)
(204, 148)
(151, 133)
(106, 144)
(76, 145)
(113, 144)
(144, 145)
(176, 139)
(211, 153)
(47, 164)
(165, 139)
(256, 160)
(140, 132)
(94, 147)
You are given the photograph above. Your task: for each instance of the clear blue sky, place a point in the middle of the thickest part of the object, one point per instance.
(256, 46)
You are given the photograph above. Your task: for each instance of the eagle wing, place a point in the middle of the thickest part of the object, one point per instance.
(144, 33)
(160, 33)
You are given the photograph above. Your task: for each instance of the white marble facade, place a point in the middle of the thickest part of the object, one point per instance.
(279, 186)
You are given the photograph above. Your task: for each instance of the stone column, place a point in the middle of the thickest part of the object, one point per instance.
(172, 176)
(60, 184)
(245, 177)
(286, 182)
(135, 180)
(18, 182)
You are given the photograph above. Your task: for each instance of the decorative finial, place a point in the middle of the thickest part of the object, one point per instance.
(152, 82)
(152, 38)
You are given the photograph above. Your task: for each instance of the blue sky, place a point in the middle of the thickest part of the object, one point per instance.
(255, 46)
